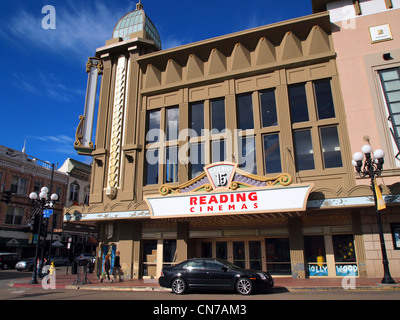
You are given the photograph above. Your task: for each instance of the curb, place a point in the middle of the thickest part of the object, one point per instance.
(83, 287)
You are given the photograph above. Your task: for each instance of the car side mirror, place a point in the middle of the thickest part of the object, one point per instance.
(225, 269)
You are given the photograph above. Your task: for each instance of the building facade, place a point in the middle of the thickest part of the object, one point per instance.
(369, 77)
(235, 147)
(21, 174)
(77, 238)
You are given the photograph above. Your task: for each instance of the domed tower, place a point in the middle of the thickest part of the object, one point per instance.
(137, 24)
(116, 144)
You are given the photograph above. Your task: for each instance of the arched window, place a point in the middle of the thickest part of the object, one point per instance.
(74, 191)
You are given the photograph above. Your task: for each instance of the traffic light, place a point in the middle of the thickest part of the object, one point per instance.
(35, 225)
(7, 196)
(43, 230)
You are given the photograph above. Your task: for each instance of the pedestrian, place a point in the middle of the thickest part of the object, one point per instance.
(107, 267)
(117, 266)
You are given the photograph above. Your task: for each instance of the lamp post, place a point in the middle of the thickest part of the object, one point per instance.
(372, 168)
(42, 202)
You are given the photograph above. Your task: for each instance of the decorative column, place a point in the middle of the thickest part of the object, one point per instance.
(116, 129)
(296, 248)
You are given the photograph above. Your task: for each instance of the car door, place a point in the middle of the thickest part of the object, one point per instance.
(196, 273)
(218, 274)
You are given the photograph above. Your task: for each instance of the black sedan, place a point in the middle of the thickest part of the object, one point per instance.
(213, 274)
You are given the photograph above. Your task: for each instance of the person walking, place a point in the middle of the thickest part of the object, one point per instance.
(117, 267)
(107, 267)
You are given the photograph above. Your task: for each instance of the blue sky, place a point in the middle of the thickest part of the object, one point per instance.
(43, 79)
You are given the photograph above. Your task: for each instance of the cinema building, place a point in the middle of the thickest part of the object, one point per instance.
(236, 147)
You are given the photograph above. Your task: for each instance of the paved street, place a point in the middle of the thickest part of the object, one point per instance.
(195, 305)
(10, 293)
(8, 277)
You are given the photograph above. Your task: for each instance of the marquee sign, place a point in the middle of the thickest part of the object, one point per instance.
(224, 189)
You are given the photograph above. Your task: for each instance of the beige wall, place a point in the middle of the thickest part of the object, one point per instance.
(357, 61)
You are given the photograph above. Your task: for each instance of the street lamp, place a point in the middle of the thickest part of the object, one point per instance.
(372, 168)
(42, 203)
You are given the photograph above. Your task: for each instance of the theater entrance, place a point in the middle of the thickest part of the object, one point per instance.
(268, 254)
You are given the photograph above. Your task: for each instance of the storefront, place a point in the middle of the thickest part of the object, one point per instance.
(234, 147)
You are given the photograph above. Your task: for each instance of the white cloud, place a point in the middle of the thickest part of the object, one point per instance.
(80, 28)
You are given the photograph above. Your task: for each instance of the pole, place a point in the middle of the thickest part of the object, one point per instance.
(52, 225)
(387, 278)
(34, 274)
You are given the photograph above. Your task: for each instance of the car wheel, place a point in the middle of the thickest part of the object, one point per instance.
(178, 286)
(244, 286)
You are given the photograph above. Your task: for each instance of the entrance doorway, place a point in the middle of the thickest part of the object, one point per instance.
(268, 254)
(248, 254)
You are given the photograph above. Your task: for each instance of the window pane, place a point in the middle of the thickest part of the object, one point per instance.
(153, 126)
(393, 96)
(23, 186)
(151, 166)
(268, 108)
(272, 154)
(324, 100)
(388, 75)
(314, 247)
(169, 250)
(255, 255)
(172, 126)
(331, 147)
(303, 150)
(298, 103)
(196, 115)
(278, 256)
(238, 254)
(206, 249)
(196, 159)
(218, 115)
(392, 85)
(244, 112)
(218, 151)
(343, 246)
(247, 155)
(395, 107)
(171, 170)
(222, 250)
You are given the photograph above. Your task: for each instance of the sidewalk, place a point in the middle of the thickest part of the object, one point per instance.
(69, 281)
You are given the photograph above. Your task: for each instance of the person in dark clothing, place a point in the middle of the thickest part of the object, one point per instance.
(117, 266)
(107, 267)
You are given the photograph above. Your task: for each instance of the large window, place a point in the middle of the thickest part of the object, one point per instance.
(260, 132)
(390, 79)
(278, 256)
(74, 191)
(244, 112)
(298, 103)
(162, 146)
(19, 185)
(330, 147)
(14, 215)
(303, 150)
(314, 247)
(196, 115)
(314, 125)
(324, 100)
(272, 153)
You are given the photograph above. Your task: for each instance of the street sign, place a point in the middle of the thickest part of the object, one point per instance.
(47, 213)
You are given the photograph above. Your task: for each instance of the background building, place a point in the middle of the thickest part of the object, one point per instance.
(78, 238)
(269, 103)
(366, 36)
(22, 174)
